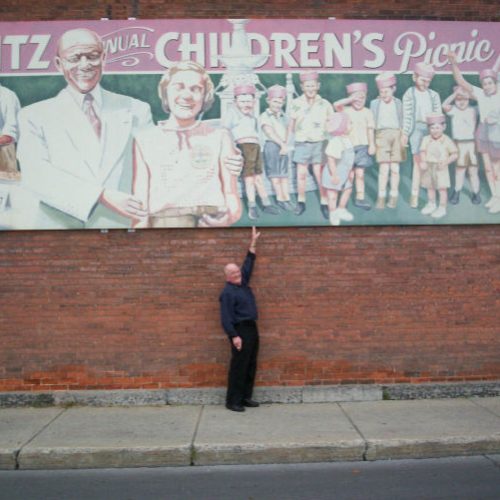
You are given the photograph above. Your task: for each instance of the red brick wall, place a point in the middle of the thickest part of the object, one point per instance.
(459, 10)
(88, 310)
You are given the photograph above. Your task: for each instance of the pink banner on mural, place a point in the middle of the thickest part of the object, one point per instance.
(331, 44)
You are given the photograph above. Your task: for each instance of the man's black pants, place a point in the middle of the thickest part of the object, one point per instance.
(243, 364)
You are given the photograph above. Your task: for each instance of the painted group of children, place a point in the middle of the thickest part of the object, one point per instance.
(186, 170)
(341, 141)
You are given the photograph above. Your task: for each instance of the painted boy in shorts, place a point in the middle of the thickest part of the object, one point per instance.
(438, 151)
(418, 101)
(463, 125)
(243, 125)
(309, 114)
(488, 132)
(388, 117)
(273, 123)
(362, 136)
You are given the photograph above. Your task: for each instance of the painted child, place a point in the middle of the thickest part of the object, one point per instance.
(488, 132)
(185, 172)
(243, 125)
(273, 123)
(308, 117)
(9, 133)
(388, 118)
(437, 152)
(362, 136)
(418, 101)
(463, 125)
(337, 178)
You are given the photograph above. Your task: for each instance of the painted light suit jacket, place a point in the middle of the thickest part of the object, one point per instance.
(67, 167)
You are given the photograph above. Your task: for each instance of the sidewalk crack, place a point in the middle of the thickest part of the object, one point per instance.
(358, 430)
(18, 452)
(16, 459)
(195, 434)
(483, 407)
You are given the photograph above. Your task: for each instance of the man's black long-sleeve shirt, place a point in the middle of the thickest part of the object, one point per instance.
(237, 302)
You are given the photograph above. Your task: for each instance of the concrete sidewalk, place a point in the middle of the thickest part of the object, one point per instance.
(88, 437)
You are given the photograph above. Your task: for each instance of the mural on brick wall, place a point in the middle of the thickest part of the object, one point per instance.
(210, 123)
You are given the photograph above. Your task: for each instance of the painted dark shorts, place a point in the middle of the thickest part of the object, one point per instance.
(361, 157)
(276, 164)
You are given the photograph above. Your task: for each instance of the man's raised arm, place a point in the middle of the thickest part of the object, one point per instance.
(253, 242)
(247, 268)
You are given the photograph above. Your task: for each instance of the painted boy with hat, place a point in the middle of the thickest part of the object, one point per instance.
(274, 123)
(388, 118)
(243, 125)
(488, 132)
(418, 101)
(308, 117)
(361, 134)
(337, 176)
(463, 125)
(437, 151)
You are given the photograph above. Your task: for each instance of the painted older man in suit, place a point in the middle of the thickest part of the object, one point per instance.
(75, 149)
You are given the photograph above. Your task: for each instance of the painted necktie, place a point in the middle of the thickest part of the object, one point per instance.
(88, 109)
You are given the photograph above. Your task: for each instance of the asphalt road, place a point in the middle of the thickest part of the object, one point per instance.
(471, 478)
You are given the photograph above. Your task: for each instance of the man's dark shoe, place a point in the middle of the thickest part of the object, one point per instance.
(250, 403)
(234, 407)
(362, 204)
(300, 208)
(325, 212)
(455, 197)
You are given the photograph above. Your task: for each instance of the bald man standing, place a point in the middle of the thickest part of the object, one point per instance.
(75, 149)
(239, 320)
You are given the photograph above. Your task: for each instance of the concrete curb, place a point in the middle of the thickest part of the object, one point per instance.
(292, 453)
(411, 448)
(8, 458)
(103, 458)
(198, 455)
